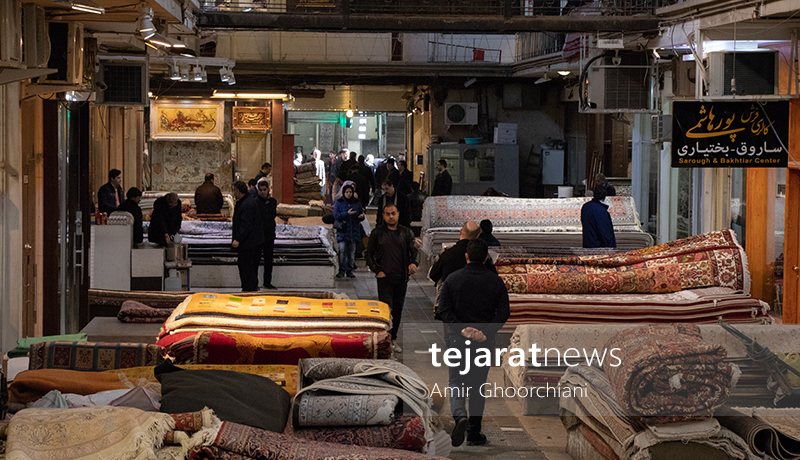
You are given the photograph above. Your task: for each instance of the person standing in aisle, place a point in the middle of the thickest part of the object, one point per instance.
(392, 255)
(598, 230)
(474, 306)
(110, 195)
(248, 236)
(348, 213)
(267, 211)
(320, 169)
(404, 177)
(131, 205)
(443, 183)
(392, 196)
(208, 197)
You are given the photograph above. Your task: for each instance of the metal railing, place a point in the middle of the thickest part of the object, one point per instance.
(535, 44)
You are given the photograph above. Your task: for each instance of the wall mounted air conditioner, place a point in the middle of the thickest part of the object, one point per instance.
(661, 128)
(66, 54)
(124, 83)
(461, 113)
(756, 73)
(35, 36)
(10, 33)
(620, 88)
(683, 78)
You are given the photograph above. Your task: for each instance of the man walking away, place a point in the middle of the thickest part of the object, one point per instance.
(320, 168)
(443, 183)
(598, 230)
(474, 306)
(208, 197)
(267, 210)
(131, 205)
(248, 236)
(416, 200)
(486, 233)
(110, 196)
(392, 255)
(404, 177)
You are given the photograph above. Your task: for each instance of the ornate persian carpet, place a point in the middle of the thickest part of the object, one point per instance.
(406, 432)
(222, 347)
(93, 356)
(242, 442)
(137, 312)
(86, 433)
(668, 370)
(312, 409)
(283, 314)
(704, 305)
(710, 259)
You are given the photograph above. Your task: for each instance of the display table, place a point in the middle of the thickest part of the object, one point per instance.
(110, 329)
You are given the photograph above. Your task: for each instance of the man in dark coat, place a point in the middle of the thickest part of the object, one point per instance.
(392, 196)
(362, 185)
(366, 171)
(131, 205)
(392, 255)
(416, 200)
(344, 169)
(598, 230)
(266, 170)
(486, 233)
(453, 259)
(166, 219)
(443, 183)
(248, 236)
(404, 177)
(600, 179)
(110, 195)
(208, 197)
(474, 306)
(267, 210)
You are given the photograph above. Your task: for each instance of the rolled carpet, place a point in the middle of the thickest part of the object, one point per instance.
(406, 432)
(668, 370)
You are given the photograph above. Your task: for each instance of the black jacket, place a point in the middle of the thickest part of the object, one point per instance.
(474, 296)
(404, 180)
(374, 252)
(489, 239)
(366, 171)
(208, 198)
(598, 230)
(133, 208)
(453, 259)
(267, 210)
(443, 184)
(362, 187)
(164, 221)
(401, 201)
(106, 202)
(247, 228)
(416, 200)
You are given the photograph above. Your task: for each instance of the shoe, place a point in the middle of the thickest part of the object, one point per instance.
(396, 348)
(476, 439)
(459, 431)
(351, 275)
(269, 286)
(340, 275)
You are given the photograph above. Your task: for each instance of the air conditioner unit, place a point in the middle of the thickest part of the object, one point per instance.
(755, 72)
(461, 113)
(125, 83)
(661, 128)
(66, 54)
(35, 36)
(621, 88)
(10, 33)
(683, 77)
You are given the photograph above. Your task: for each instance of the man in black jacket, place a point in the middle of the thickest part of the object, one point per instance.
(416, 201)
(453, 258)
(443, 183)
(131, 205)
(392, 255)
(267, 210)
(166, 219)
(392, 196)
(404, 177)
(208, 197)
(110, 195)
(474, 306)
(248, 236)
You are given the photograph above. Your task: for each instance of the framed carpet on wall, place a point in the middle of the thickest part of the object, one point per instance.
(252, 118)
(197, 121)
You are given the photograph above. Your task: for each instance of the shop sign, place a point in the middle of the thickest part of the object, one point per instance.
(751, 134)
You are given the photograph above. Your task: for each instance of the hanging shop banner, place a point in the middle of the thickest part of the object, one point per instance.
(748, 134)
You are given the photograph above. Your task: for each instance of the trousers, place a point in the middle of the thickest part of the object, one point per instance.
(392, 292)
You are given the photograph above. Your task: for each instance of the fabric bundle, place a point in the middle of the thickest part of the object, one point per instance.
(669, 371)
(710, 259)
(406, 432)
(236, 441)
(222, 347)
(285, 314)
(137, 312)
(93, 356)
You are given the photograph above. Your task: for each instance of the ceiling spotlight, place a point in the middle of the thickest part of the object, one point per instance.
(545, 78)
(145, 24)
(159, 39)
(174, 73)
(198, 73)
(564, 73)
(656, 55)
(223, 74)
(185, 73)
(349, 113)
(470, 82)
(231, 78)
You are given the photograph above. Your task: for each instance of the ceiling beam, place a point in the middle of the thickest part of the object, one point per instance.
(396, 23)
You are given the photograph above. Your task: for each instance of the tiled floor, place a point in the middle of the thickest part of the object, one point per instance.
(511, 435)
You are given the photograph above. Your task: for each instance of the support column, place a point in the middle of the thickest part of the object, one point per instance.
(760, 235)
(791, 245)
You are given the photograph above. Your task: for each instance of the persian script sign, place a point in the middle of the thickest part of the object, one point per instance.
(748, 134)
(252, 118)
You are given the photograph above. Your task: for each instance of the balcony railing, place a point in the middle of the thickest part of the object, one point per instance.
(535, 44)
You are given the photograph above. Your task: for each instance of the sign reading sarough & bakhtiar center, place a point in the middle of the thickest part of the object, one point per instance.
(751, 134)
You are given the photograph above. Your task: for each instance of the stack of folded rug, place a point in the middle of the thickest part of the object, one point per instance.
(306, 184)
